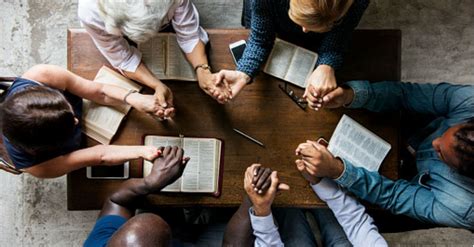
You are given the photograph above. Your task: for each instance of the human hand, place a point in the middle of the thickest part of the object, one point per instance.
(261, 179)
(262, 202)
(338, 97)
(318, 161)
(208, 83)
(321, 82)
(164, 97)
(237, 80)
(166, 169)
(306, 172)
(149, 152)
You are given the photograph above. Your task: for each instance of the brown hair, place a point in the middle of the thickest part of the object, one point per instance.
(37, 119)
(318, 13)
(464, 148)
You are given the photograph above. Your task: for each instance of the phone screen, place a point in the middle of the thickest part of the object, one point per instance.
(117, 171)
(237, 52)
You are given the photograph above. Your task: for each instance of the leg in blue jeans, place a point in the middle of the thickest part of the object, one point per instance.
(331, 231)
(293, 227)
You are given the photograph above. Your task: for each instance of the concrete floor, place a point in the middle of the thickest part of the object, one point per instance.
(437, 45)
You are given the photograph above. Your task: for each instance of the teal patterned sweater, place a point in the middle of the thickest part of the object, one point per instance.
(270, 17)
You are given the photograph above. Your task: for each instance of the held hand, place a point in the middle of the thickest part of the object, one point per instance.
(164, 96)
(261, 179)
(262, 203)
(149, 153)
(235, 79)
(318, 161)
(167, 168)
(307, 173)
(208, 83)
(321, 82)
(338, 97)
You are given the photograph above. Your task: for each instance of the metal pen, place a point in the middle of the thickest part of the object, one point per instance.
(249, 137)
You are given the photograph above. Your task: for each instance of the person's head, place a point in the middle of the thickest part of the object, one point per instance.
(147, 230)
(456, 148)
(37, 119)
(318, 15)
(139, 20)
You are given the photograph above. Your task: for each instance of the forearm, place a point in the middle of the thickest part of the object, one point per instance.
(357, 224)
(239, 230)
(126, 199)
(143, 75)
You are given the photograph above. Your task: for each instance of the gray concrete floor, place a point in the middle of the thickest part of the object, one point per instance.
(437, 45)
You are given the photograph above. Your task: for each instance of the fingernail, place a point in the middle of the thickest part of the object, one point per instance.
(260, 191)
(255, 189)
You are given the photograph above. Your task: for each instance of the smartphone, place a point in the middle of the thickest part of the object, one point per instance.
(322, 141)
(237, 50)
(109, 172)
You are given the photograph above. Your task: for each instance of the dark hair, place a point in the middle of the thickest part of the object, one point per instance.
(37, 119)
(464, 148)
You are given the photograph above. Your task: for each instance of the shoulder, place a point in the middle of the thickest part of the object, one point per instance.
(88, 13)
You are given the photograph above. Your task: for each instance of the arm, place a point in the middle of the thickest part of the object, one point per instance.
(264, 229)
(357, 224)
(239, 230)
(92, 156)
(57, 77)
(166, 169)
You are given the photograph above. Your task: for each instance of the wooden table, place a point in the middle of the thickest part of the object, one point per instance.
(262, 110)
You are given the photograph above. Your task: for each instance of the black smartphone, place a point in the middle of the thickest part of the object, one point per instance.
(237, 50)
(109, 172)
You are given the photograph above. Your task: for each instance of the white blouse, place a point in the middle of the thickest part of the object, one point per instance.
(184, 19)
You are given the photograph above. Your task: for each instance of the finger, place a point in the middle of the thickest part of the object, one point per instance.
(309, 151)
(185, 161)
(180, 153)
(261, 180)
(300, 165)
(167, 151)
(282, 186)
(265, 186)
(274, 184)
(256, 177)
(300, 148)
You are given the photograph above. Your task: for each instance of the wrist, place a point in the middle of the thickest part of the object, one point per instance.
(244, 77)
(326, 68)
(261, 211)
(339, 168)
(348, 96)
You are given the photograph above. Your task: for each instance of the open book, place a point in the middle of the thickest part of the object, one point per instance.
(291, 63)
(102, 122)
(203, 173)
(164, 58)
(358, 145)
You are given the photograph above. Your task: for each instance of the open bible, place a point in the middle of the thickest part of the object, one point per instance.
(291, 63)
(164, 58)
(358, 145)
(102, 122)
(203, 173)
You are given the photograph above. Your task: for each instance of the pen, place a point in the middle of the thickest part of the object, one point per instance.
(249, 137)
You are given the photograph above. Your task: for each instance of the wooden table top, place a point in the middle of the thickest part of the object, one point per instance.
(261, 110)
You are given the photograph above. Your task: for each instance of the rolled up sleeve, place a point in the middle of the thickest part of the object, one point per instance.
(186, 25)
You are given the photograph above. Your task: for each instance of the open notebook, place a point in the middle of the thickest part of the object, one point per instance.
(203, 173)
(102, 122)
(164, 58)
(290, 63)
(357, 144)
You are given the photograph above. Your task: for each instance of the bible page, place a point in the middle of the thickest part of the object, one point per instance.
(162, 141)
(280, 59)
(301, 67)
(357, 144)
(199, 175)
(154, 54)
(178, 67)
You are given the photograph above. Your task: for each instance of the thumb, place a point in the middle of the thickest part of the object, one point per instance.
(161, 99)
(275, 181)
(300, 165)
(283, 186)
(332, 95)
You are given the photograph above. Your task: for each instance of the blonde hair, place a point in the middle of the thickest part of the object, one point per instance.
(139, 20)
(318, 13)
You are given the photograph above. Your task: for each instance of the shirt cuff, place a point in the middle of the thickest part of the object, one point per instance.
(348, 176)
(325, 189)
(361, 93)
(261, 223)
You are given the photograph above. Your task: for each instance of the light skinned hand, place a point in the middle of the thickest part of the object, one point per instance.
(321, 82)
(149, 153)
(164, 97)
(208, 83)
(319, 161)
(236, 80)
(262, 202)
(337, 98)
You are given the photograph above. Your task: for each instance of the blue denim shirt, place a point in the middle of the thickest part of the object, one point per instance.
(438, 194)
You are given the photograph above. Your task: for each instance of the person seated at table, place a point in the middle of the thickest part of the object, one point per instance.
(41, 122)
(119, 226)
(110, 22)
(253, 223)
(443, 190)
(329, 23)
